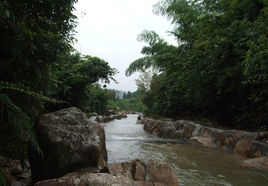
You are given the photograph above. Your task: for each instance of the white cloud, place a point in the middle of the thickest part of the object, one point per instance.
(109, 29)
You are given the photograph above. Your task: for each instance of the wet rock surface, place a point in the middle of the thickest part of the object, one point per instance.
(145, 171)
(258, 149)
(136, 172)
(243, 146)
(111, 117)
(204, 141)
(233, 141)
(69, 141)
(257, 163)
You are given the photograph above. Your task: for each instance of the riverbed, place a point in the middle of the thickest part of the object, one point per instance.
(193, 165)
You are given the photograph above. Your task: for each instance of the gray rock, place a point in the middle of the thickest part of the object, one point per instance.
(167, 130)
(247, 144)
(69, 141)
(105, 119)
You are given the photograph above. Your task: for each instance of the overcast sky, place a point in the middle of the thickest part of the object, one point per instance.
(108, 29)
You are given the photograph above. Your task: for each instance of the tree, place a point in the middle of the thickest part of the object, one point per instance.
(132, 103)
(77, 78)
(34, 36)
(208, 73)
(37, 64)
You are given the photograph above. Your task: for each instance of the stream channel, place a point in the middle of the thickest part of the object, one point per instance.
(193, 165)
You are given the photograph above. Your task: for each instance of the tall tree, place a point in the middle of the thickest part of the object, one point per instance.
(218, 69)
(75, 79)
(34, 35)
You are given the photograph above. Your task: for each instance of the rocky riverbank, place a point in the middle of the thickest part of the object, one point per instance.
(247, 144)
(110, 117)
(74, 153)
(136, 172)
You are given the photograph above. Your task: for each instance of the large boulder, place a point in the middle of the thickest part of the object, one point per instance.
(136, 172)
(69, 141)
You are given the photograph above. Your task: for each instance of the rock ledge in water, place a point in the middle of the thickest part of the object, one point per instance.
(257, 163)
(105, 119)
(247, 144)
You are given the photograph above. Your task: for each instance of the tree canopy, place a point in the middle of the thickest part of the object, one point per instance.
(41, 72)
(219, 68)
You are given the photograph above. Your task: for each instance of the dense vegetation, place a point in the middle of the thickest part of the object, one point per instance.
(129, 102)
(40, 71)
(75, 82)
(219, 68)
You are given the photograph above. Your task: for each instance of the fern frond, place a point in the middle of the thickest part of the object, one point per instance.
(12, 107)
(150, 37)
(25, 90)
(22, 124)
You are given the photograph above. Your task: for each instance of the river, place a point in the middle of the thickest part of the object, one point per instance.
(193, 165)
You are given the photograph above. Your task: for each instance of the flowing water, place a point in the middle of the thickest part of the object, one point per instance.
(126, 140)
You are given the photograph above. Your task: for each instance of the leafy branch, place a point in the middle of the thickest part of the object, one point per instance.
(24, 90)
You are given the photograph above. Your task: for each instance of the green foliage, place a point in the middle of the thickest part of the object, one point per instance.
(219, 68)
(74, 81)
(33, 36)
(2, 179)
(11, 87)
(156, 45)
(97, 99)
(19, 107)
(139, 64)
(130, 102)
(38, 67)
(21, 124)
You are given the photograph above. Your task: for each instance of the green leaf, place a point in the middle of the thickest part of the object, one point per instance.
(7, 13)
